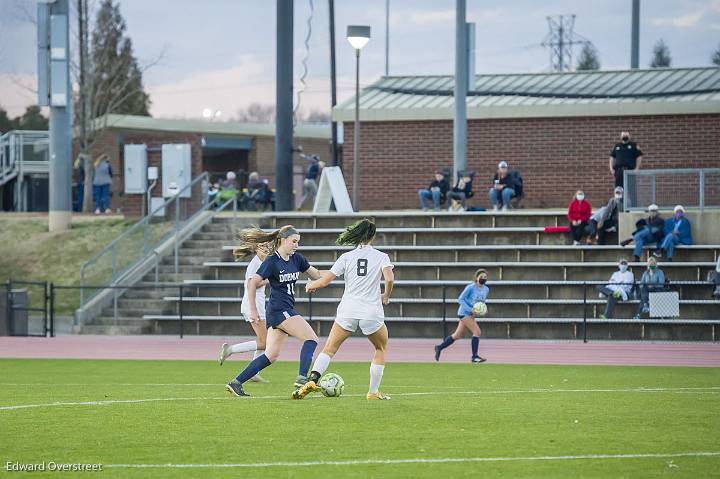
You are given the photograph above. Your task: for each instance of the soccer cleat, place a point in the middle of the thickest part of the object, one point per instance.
(236, 388)
(437, 353)
(602, 316)
(377, 396)
(224, 353)
(617, 295)
(300, 381)
(478, 359)
(258, 379)
(307, 388)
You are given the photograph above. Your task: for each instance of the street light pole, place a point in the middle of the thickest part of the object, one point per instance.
(357, 36)
(356, 130)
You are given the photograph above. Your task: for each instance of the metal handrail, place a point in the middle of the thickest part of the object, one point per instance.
(701, 172)
(143, 223)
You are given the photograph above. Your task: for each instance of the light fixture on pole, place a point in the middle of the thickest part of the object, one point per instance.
(357, 36)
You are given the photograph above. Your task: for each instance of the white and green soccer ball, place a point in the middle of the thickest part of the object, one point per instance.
(331, 385)
(479, 309)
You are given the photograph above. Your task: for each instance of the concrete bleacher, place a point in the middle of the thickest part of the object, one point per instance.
(536, 278)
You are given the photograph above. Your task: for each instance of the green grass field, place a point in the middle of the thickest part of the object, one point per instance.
(455, 416)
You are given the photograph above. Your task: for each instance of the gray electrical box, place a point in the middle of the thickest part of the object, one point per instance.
(176, 169)
(135, 169)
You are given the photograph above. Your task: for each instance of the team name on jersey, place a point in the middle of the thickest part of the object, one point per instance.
(287, 277)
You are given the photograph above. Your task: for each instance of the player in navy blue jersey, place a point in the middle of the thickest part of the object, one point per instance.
(281, 268)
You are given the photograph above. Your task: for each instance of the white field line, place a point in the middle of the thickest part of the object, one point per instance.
(432, 393)
(440, 460)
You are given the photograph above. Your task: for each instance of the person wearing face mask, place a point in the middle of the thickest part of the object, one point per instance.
(653, 279)
(605, 219)
(624, 156)
(473, 293)
(714, 278)
(648, 231)
(579, 211)
(677, 230)
(617, 289)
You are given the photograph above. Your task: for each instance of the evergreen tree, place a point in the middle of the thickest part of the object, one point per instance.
(588, 58)
(115, 77)
(6, 124)
(661, 55)
(32, 119)
(716, 56)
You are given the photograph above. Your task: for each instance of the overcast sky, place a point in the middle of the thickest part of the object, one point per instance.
(220, 54)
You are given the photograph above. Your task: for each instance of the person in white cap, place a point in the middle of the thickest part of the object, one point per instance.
(503, 188)
(618, 288)
(648, 231)
(677, 231)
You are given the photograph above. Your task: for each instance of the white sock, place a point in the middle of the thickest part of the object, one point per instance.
(321, 363)
(376, 374)
(258, 353)
(245, 347)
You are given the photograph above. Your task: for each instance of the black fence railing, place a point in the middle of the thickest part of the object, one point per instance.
(47, 293)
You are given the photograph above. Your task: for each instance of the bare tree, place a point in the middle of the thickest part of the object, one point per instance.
(256, 113)
(317, 116)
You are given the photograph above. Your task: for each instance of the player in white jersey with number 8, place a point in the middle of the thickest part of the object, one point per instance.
(361, 305)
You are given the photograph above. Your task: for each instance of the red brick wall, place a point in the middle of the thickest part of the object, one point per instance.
(556, 156)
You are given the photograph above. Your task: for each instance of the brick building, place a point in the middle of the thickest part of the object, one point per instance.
(216, 148)
(556, 128)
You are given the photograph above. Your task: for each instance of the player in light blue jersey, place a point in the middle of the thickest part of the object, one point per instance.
(473, 293)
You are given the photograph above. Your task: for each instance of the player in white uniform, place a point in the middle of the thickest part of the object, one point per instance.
(259, 327)
(361, 305)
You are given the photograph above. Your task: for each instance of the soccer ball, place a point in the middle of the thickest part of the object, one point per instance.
(331, 385)
(480, 309)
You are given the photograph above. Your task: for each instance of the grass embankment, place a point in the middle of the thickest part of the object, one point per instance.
(29, 252)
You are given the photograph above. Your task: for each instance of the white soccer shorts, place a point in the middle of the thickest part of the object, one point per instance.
(367, 326)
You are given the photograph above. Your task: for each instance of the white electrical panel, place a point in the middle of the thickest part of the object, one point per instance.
(176, 169)
(135, 169)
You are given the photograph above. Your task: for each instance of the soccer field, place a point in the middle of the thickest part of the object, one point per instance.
(174, 419)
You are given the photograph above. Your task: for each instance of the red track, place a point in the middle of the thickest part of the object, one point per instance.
(359, 349)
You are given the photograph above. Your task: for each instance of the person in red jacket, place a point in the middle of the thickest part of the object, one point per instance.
(579, 211)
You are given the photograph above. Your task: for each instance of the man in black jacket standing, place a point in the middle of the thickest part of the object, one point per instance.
(624, 156)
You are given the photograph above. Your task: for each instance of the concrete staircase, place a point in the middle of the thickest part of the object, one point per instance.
(434, 254)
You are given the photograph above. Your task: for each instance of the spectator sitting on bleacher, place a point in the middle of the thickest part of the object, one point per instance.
(605, 219)
(618, 289)
(461, 192)
(504, 187)
(228, 189)
(436, 191)
(258, 193)
(653, 279)
(677, 230)
(714, 278)
(579, 211)
(648, 231)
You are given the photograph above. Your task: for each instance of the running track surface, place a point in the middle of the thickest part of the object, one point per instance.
(359, 349)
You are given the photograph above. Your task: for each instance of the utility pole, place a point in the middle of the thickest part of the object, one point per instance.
(284, 107)
(54, 91)
(387, 37)
(560, 40)
(461, 89)
(635, 35)
(333, 86)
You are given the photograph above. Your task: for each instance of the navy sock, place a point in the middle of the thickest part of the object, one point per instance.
(255, 366)
(475, 342)
(306, 356)
(446, 342)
